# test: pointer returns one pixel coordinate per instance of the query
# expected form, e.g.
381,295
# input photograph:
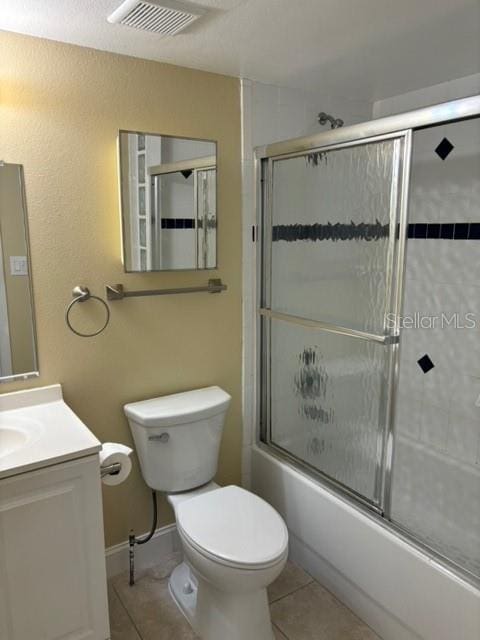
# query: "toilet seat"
233,527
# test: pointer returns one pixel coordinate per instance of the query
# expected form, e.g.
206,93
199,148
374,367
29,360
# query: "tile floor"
301,609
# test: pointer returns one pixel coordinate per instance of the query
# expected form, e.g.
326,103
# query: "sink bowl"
37,429
17,433
11,439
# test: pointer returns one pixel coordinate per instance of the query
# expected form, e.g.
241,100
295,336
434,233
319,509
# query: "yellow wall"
17,288
60,109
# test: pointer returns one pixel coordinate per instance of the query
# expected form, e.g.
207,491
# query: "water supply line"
132,540
335,123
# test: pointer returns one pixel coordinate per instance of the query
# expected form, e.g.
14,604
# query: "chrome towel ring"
82,294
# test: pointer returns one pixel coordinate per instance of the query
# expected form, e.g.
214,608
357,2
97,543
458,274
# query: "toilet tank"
177,437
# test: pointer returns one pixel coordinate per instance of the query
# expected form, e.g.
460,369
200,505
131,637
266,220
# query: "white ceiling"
366,49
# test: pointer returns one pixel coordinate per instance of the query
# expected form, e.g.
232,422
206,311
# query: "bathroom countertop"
50,432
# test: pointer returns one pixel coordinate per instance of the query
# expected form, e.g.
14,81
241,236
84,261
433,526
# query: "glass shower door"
333,241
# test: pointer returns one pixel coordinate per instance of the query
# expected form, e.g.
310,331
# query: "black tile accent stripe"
425,363
433,231
368,232
461,231
445,231
178,223
420,230
474,231
329,231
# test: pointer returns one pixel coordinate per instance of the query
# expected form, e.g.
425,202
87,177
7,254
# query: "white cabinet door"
52,560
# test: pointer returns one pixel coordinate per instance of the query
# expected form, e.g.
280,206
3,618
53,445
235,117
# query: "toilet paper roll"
115,452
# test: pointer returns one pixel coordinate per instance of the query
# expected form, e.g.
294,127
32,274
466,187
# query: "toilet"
234,543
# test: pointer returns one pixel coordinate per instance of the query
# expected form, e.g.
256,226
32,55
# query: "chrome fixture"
117,292
110,469
331,328
335,123
163,437
82,294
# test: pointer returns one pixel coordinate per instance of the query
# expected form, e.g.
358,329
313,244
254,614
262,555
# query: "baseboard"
164,542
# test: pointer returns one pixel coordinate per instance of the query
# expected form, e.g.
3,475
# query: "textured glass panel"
142,208
143,259
141,168
143,232
436,466
206,218
331,215
438,500
327,401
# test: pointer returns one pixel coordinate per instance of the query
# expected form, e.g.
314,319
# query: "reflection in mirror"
169,202
17,327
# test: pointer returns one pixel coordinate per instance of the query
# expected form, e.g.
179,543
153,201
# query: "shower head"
335,123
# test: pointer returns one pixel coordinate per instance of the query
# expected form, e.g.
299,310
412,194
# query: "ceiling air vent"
160,16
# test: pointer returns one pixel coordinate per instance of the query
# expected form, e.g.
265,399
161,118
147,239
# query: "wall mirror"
18,354
169,202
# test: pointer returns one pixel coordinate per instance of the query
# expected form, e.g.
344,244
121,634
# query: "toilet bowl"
234,543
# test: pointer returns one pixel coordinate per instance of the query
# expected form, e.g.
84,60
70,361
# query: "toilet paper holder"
110,469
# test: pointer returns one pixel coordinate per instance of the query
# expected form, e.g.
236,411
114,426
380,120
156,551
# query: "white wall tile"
459,88
463,87
463,438
434,426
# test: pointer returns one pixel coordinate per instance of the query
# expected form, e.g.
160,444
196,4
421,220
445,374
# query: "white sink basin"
16,433
11,440
38,429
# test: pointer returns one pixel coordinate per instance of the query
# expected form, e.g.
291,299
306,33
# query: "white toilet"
235,544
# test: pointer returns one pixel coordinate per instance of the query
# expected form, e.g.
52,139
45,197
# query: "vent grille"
167,18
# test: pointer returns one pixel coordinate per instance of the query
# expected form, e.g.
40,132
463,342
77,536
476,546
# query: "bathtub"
396,588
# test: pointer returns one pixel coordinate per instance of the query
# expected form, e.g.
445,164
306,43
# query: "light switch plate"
18,266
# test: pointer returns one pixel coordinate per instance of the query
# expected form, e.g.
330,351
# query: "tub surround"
387,582
396,587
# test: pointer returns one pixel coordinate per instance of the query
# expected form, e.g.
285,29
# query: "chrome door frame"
401,152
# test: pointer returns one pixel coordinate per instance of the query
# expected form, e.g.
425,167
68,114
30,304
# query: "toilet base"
216,615
183,588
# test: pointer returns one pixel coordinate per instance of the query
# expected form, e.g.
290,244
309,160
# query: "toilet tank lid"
179,408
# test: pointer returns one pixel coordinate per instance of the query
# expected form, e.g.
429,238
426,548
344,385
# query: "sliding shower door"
332,254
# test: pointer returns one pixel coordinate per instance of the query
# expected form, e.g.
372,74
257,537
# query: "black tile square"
425,364
474,231
461,230
444,148
420,230
446,231
189,223
169,223
411,231
179,223
433,231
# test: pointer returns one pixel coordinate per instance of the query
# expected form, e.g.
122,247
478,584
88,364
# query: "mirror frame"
123,208
18,377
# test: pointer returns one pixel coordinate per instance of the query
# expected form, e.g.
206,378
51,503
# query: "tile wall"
436,481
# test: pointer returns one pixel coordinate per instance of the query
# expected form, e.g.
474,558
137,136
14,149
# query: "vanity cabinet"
52,562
